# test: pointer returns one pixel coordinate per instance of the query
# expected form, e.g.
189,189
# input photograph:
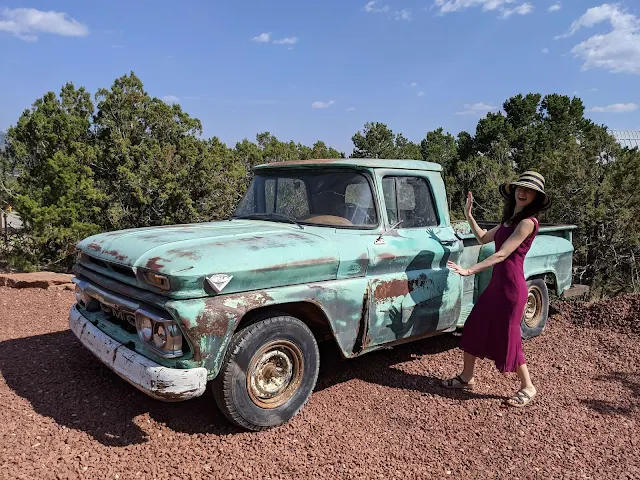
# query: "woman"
493,328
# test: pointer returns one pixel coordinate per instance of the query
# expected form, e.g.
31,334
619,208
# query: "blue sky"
320,70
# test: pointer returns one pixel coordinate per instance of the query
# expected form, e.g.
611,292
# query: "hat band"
533,180
524,183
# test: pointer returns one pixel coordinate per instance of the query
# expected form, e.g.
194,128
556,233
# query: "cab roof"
357,162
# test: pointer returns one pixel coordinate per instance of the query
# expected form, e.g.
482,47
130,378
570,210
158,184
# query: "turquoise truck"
352,251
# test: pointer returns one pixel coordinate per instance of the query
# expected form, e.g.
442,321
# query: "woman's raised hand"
468,205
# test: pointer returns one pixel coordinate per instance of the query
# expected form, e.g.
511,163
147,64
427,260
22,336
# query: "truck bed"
551,257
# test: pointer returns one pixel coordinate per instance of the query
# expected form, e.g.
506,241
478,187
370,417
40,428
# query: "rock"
35,280
64,286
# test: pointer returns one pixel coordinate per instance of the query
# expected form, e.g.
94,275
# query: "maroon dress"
492,330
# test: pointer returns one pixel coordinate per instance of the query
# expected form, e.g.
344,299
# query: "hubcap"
275,373
533,310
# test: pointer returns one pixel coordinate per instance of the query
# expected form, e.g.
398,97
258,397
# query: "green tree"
55,195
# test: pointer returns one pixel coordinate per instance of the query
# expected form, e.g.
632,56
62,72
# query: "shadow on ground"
62,380
629,381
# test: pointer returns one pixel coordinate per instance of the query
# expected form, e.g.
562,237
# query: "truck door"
412,291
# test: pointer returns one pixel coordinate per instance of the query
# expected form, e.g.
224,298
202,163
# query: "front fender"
210,322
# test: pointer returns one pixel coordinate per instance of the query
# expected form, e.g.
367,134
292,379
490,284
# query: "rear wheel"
268,373
536,310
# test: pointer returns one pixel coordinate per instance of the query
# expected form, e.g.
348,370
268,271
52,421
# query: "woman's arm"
522,231
481,235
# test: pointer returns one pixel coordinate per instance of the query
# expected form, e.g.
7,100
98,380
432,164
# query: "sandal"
458,383
520,399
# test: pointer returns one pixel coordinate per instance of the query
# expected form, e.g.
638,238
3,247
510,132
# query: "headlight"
159,334
78,294
145,329
87,302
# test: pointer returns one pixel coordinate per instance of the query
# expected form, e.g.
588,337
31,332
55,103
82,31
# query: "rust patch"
318,161
386,256
391,289
116,254
211,324
399,288
216,316
95,247
362,336
154,263
297,263
184,254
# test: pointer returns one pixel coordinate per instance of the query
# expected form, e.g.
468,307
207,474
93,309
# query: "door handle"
448,242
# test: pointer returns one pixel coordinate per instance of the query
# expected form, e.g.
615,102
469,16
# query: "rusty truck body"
348,250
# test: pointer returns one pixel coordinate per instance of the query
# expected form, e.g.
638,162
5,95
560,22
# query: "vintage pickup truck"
348,250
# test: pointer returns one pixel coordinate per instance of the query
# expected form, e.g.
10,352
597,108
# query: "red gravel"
65,415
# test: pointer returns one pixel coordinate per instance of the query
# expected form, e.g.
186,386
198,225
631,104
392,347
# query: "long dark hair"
531,210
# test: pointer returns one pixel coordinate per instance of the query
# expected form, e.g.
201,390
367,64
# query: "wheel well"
549,279
308,313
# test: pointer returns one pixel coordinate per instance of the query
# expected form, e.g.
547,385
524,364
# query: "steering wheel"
354,207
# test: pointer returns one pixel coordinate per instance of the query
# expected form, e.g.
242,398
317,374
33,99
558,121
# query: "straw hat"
529,179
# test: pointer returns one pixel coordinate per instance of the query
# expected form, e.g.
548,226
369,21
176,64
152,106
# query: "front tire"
536,310
268,373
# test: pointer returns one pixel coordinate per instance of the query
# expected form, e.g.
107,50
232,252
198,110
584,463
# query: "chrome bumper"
162,383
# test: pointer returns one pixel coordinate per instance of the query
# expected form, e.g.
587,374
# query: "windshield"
334,198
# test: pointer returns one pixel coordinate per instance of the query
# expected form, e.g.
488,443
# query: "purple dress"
492,330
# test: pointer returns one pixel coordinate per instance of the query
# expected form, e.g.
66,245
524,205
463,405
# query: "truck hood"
258,254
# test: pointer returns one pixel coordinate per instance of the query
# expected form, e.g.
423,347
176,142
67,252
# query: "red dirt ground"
65,415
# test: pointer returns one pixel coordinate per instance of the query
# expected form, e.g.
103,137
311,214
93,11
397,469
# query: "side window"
409,199
389,192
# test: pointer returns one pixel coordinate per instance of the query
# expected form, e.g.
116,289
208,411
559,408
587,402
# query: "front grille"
124,319
114,267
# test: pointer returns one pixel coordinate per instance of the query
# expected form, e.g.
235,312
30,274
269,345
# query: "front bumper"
162,383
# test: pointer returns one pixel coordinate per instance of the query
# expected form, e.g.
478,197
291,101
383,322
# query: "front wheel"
536,310
268,373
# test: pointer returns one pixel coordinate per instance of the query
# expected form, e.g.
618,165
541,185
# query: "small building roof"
627,138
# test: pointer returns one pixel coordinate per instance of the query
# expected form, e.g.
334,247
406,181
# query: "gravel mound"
66,416
620,314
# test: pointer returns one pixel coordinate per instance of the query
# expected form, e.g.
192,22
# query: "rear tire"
268,373
536,310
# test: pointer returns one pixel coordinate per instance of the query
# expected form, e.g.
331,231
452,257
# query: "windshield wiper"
267,215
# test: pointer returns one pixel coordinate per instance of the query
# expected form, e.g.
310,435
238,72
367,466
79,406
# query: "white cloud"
403,14
615,108
545,50
351,109
421,93
372,7
523,9
447,6
476,109
266,38
287,41
319,104
413,84
617,51
262,38
555,7
170,99
28,23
